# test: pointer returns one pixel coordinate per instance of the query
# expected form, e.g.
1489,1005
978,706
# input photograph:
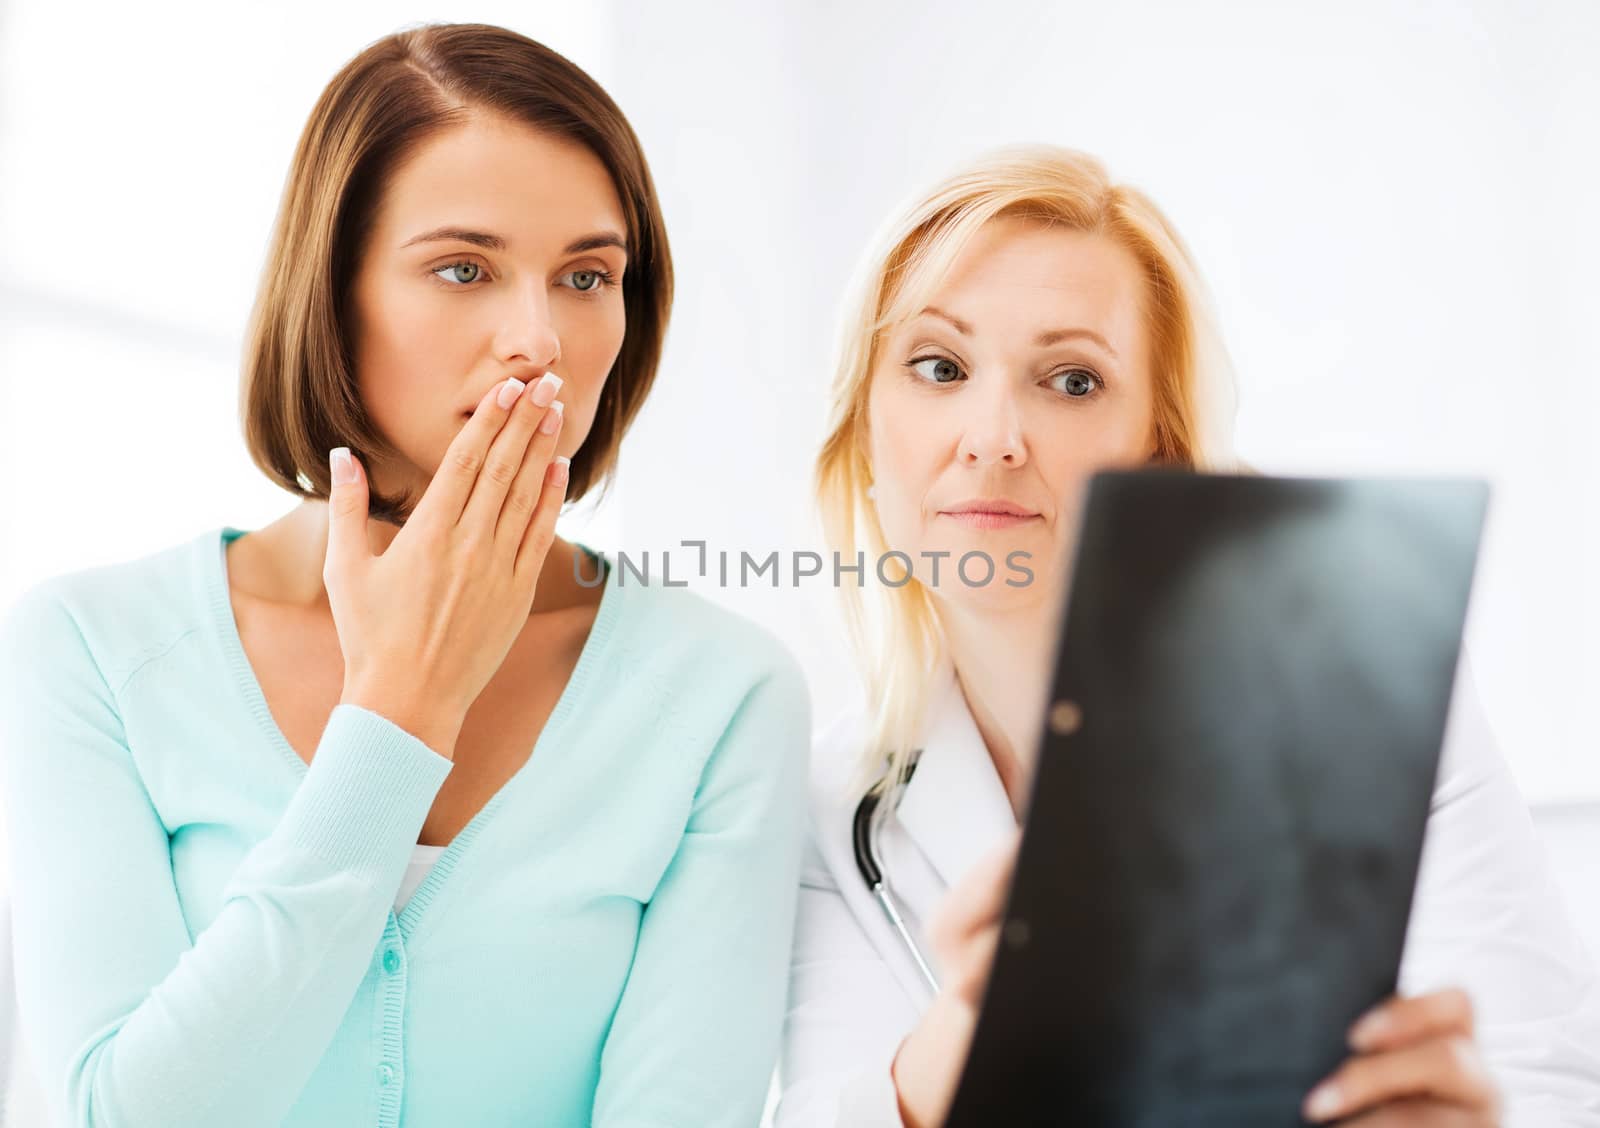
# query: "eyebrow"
1043,340
493,242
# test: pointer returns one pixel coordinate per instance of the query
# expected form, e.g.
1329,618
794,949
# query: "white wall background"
1393,203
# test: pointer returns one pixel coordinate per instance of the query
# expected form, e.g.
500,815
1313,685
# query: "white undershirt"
422,859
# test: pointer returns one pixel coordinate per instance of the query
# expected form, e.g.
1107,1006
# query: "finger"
1398,1021
528,485
968,973
1416,1113
446,496
1449,1070
504,460
541,531
978,898
347,509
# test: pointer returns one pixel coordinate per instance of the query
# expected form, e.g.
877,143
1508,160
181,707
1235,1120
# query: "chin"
996,599
999,545
1032,578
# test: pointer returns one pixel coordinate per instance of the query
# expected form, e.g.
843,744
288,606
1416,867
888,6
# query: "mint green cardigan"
204,925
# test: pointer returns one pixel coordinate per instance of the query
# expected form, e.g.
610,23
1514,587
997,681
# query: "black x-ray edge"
1249,700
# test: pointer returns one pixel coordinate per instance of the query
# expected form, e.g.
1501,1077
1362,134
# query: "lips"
989,513
990,505
983,519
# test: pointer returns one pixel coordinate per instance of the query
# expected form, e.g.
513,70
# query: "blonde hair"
894,630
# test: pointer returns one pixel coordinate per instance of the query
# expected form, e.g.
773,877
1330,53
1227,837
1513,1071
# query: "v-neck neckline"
955,807
214,551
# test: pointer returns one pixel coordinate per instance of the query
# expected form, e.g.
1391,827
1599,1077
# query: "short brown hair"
298,396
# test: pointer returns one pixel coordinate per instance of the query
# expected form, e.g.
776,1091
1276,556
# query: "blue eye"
472,266
588,281
936,369
1079,382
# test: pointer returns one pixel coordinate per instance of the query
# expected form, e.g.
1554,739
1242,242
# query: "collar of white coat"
955,807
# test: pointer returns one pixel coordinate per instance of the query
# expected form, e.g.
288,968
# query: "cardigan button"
391,961
386,1074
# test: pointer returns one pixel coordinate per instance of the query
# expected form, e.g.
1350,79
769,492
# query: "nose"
993,426
528,332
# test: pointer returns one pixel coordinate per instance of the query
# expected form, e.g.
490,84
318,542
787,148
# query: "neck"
300,547
1003,662
300,540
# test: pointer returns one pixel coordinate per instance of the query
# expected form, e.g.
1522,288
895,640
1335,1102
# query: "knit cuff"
366,794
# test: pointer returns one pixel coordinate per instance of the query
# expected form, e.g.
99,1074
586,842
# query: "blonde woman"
1026,323
402,809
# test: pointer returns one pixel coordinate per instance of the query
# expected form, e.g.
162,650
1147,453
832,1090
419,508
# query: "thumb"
347,507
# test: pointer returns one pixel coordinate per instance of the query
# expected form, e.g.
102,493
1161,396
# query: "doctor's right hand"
965,933
425,625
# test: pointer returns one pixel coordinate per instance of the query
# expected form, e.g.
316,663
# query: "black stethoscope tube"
862,827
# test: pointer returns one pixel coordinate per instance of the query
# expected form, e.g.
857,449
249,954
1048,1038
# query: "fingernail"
559,467
552,419
1323,1102
545,390
509,391
1368,1029
343,467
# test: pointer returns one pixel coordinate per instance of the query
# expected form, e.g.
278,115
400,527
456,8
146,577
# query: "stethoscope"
863,832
